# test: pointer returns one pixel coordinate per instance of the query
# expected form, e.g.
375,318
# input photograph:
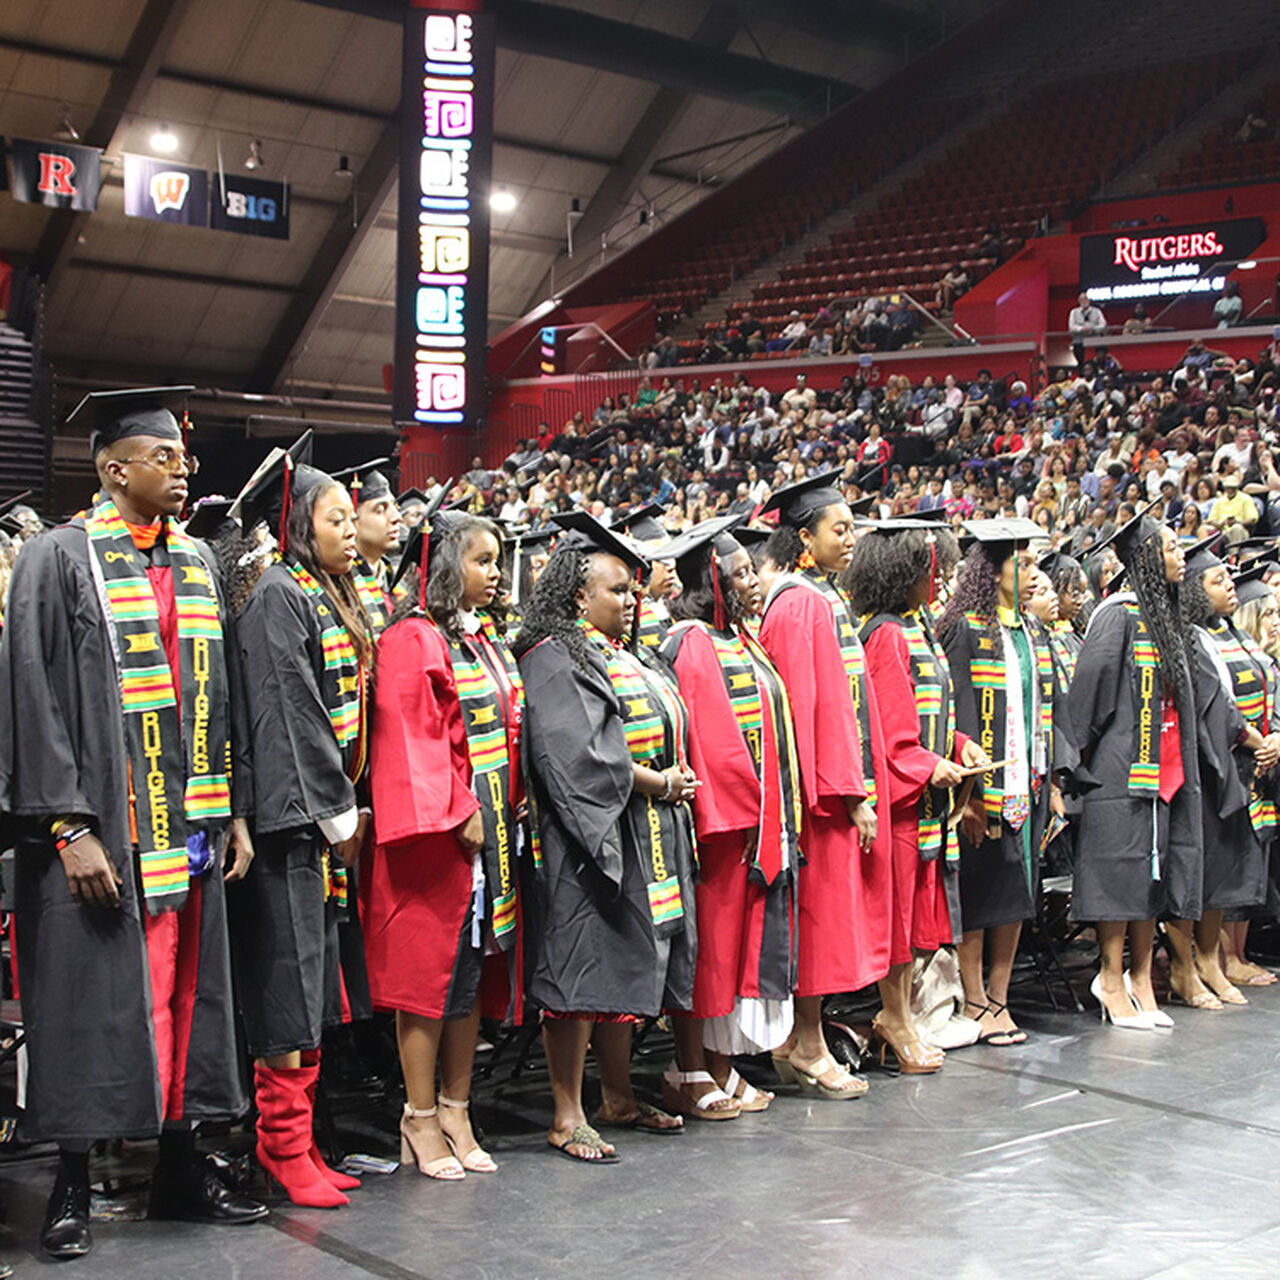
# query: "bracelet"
666,794
69,835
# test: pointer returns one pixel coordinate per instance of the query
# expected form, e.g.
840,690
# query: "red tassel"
933,568
719,616
282,539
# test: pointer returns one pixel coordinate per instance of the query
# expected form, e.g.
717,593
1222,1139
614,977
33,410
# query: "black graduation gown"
285,941
595,946
999,879
83,971
1235,869
1113,873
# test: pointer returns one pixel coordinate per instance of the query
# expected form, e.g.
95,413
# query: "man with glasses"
115,748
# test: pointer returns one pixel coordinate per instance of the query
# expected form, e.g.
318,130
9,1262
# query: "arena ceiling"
694,92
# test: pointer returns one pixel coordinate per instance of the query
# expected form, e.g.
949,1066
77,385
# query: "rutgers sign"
56,174
1170,262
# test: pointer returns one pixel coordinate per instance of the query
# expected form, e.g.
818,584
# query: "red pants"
173,958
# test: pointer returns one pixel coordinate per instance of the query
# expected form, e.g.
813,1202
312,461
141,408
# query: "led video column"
442,259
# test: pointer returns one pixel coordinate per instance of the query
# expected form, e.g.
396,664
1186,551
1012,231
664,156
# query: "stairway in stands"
22,439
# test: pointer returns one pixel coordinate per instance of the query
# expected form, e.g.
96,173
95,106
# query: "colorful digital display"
442,281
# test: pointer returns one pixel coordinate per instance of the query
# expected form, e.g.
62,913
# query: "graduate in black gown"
305,651
1235,745
606,757
1140,846
114,666
641,526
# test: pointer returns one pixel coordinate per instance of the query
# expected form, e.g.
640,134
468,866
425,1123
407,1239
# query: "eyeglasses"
170,460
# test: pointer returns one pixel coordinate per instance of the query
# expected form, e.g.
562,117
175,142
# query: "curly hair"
1195,607
241,560
785,547
977,591
697,599
552,611
1159,603
886,568
448,545
1068,574
340,588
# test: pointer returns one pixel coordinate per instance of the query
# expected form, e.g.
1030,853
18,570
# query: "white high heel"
1140,1021
1158,1016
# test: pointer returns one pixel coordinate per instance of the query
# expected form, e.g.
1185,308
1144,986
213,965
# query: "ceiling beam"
128,86
345,235
199,278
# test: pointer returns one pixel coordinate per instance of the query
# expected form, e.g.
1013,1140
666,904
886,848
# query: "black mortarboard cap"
410,496
8,521
585,533
1002,535
263,496
752,535
366,482
144,411
719,532
1129,537
937,515
1200,558
642,523
1250,585
795,503
433,523
525,539
1054,562
209,517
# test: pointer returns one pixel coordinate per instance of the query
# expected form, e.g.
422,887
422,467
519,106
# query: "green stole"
177,741
377,602
490,693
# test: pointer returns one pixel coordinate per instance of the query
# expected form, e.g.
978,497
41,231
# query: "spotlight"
343,169
254,159
66,131
164,140
503,202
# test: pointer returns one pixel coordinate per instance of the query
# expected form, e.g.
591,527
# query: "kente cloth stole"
1066,648
377,602
1249,686
343,687
178,755
855,667
490,693
1144,767
987,674
644,708
935,709
652,625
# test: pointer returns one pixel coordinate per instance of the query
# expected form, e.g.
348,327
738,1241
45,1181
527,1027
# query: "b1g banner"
57,174
250,206
165,192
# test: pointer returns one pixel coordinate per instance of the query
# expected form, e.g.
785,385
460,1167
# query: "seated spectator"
937,417
951,286
1019,401
801,395
1234,507
980,394
875,326
514,509
820,343
793,330
1254,126
1236,452
904,324
752,332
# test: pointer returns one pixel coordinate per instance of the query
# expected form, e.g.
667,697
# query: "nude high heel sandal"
445,1168
475,1160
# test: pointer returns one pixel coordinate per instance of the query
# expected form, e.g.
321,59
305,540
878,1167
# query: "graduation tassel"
634,646
718,616
422,568
282,539
186,446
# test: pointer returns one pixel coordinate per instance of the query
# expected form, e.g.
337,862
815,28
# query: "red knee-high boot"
284,1135
343,1181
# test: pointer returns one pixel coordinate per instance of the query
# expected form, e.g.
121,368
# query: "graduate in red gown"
747,816
845,887
440,902
892,580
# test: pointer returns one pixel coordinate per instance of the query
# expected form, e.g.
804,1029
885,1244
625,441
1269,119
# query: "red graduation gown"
844,895
920,916
740,951
418,893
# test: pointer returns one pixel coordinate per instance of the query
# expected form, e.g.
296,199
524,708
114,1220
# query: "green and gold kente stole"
987,674
653,625
178,744
377,602
1144,767
491,693
1249,685
344,685
1065,642
936,712
855,666
653,743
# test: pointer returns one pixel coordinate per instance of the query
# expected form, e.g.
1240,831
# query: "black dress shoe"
198,1194
65,1233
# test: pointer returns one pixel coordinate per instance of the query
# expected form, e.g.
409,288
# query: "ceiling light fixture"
254,159
66,131
502,202
343,169
164,140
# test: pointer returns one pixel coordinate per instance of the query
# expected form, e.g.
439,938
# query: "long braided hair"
552,611
1159,603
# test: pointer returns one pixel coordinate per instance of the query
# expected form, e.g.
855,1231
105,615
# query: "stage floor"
1088,1151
